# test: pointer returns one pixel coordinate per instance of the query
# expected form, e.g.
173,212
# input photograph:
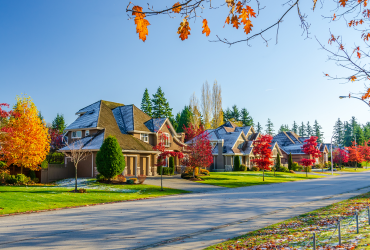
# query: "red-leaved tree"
161,146
355,155
56,139
365,151
262,152
340,156
199,150
310,148
192,131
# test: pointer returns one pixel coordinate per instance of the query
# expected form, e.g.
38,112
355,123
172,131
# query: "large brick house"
135,131
230,141
291,143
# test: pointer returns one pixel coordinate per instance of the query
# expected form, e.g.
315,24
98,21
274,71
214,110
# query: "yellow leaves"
235,21
227,20
184,30
248,27
366,95
343,2
239,7
141,22
176,8
353,78
206,29
314,4
334,17
245,15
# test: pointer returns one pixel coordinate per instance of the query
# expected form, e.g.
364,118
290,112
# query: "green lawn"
14,199
296,233
346,169
242,179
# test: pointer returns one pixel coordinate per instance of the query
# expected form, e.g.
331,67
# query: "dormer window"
144,137
87,133
76,134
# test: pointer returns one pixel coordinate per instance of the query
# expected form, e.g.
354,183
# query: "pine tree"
359,135
347,140
177,121
317,132
246,119
290,162
295,127
185,119
236,163
283,128
269,127
146,103
59,123
338,132
41,116
259,128
161,107
302,130
278,163
227,115
367,131
309,131
235,113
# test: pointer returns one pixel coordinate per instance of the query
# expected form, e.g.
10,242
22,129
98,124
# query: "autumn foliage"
262,152
26,138
141,23
310,148
355,154
161,161
340,156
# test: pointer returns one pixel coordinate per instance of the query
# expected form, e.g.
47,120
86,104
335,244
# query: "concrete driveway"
191,221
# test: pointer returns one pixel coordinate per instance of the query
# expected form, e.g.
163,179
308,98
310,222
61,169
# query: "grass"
243,179
16,199
296,233
347,169
325,172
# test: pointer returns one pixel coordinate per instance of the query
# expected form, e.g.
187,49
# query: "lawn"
15,199
296,233
346,169
243,179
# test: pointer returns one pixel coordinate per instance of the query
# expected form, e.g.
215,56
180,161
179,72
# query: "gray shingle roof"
293,149
89,118
92,142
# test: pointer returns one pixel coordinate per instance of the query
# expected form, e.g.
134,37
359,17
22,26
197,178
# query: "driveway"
191,221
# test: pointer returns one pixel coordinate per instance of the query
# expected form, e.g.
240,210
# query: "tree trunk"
21,169
306,171
263,174
75,178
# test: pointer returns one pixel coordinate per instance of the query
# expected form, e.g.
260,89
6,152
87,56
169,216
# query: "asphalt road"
190,221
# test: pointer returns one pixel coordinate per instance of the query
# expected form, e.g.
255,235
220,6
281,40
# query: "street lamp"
341,97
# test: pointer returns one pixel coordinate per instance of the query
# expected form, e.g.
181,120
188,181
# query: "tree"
310,148
227,115
355,154
290,161
56,139
309,131
59,123
302,130
199,151
77,153
269,127
278,162
347,140
359,135
192,131
263,153
283,128
217,106
196,117
246,119
146,103
110,161
340,156
259,128
160,107
338,132
365,152
235,114
237,163
26,141
171,165
185,119
295,127
206,101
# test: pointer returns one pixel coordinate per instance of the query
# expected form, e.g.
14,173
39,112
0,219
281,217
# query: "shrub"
243,167
255,168
109,159
55,158
204,171
159,170
11,179
284,169
22,179
100,177
36,180
307,169
278,163
134,180
121,178
141,178
32,175
129,181
236,163
44,164
4,177
328,164
290,162
291,171
171,164
296,167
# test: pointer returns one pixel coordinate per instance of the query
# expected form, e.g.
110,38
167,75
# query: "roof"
155,124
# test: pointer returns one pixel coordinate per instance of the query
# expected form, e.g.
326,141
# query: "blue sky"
69,54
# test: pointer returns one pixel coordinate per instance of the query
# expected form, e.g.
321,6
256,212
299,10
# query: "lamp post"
331,154
341,97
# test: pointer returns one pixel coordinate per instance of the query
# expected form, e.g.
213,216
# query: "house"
231,141
135,131
291,143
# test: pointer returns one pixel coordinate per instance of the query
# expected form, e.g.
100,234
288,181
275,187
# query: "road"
191,221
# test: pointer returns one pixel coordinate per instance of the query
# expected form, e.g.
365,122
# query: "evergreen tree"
171,165
302,130
146,103
283,128
235,113
367,131
347,140
236,163
309,131
290,162
269,127
359,135
59,123
110,161
41,116
185,119
177,121
278,163
338,132
227,115
259,128
317,132
246,119
161,107
295,128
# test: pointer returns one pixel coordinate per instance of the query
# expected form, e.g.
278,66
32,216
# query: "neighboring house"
135,131
231,141
291,143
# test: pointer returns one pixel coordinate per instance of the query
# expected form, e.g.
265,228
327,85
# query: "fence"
56,172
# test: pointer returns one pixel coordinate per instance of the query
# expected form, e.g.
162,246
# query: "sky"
68,54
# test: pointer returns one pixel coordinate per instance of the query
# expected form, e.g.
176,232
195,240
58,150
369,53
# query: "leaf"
244,16
343,2
314,4
227,20
251,11
235,21
239,7
353,78
326,74
248,27
359,55
141,23
206,28
184,30
341,47
176,8
334,17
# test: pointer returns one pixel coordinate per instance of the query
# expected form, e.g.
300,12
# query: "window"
167,139
76,134
144,137
87,132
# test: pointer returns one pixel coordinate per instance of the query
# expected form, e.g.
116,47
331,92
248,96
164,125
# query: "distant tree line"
350,131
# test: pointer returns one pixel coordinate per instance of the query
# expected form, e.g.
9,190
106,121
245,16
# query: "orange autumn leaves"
239,15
